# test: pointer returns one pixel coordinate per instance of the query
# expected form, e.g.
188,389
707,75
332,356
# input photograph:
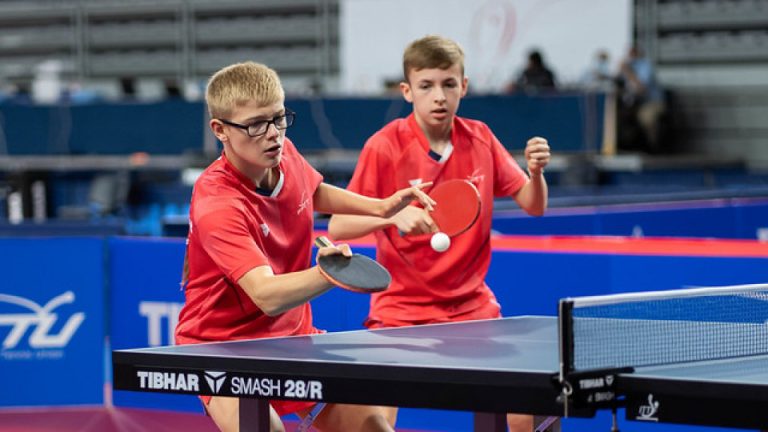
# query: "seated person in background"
642,97
536,75
598,76
248,271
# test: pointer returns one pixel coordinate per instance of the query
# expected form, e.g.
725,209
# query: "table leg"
490,422
254,415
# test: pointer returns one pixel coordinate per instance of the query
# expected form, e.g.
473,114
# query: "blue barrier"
171,127
573,120
52,322
144,277
144,299
726,219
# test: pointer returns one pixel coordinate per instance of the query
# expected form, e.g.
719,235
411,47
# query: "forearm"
533,196
275,294
334,200
345,227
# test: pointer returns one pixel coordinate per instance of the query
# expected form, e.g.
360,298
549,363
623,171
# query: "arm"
532,197
335,200
275,294
345,227
356,215
410,220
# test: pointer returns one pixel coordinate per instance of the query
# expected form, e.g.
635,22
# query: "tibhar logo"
168,381
648,412
43,318
215,380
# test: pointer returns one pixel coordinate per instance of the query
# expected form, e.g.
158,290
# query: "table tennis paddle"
357,273
458,206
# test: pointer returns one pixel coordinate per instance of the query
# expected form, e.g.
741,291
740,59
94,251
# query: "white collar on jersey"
446,153
279,185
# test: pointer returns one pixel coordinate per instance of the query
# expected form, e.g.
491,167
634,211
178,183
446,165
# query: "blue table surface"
515,344
527,344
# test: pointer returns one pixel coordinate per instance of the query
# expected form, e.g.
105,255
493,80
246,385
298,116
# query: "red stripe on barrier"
633,246
616,245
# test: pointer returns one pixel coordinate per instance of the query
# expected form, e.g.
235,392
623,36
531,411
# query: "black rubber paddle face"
358,273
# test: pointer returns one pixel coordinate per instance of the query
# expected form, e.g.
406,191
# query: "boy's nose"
439,95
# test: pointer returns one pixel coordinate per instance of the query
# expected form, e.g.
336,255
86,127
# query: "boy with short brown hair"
434,145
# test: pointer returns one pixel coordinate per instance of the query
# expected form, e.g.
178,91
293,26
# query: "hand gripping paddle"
357,273
458,206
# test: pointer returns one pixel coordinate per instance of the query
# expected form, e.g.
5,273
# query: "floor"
100,419
108,419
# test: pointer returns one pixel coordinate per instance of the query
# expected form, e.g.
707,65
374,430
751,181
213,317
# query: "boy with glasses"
435,145
248,270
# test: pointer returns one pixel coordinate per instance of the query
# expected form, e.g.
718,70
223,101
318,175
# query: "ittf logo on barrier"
649,411
42,319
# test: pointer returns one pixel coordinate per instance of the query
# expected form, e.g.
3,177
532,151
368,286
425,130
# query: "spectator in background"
536,75
172,89
128,87
642,98
598,75
20,93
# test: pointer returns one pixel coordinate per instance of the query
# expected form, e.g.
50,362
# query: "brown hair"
432,52
240,83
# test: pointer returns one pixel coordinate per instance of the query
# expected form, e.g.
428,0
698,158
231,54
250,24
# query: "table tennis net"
664,327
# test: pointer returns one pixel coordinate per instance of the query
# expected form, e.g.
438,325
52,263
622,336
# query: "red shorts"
283,407
489,310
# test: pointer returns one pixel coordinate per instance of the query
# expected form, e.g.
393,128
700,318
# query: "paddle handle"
323,241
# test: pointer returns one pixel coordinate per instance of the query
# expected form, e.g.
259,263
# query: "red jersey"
234,229
429,286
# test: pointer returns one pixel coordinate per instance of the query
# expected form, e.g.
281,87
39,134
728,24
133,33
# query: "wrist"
381,209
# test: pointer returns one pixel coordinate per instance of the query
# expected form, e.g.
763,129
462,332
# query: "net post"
565,348
565,337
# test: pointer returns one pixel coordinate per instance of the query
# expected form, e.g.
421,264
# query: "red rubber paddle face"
458,206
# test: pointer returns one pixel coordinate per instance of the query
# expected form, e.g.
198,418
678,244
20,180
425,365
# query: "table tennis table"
490,367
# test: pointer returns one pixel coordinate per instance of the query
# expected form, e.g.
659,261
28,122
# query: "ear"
405,89
218,130
464,86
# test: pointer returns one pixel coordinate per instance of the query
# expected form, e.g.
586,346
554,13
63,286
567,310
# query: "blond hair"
240,83
432,52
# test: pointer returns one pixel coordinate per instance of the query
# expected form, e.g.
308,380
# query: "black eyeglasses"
260,127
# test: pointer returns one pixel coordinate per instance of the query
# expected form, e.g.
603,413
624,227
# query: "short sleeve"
225,237
373,167
508,176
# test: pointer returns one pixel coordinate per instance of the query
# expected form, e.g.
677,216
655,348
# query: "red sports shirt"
429,286
233,229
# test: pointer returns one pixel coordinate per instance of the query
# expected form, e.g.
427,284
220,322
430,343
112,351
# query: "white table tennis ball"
440,242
